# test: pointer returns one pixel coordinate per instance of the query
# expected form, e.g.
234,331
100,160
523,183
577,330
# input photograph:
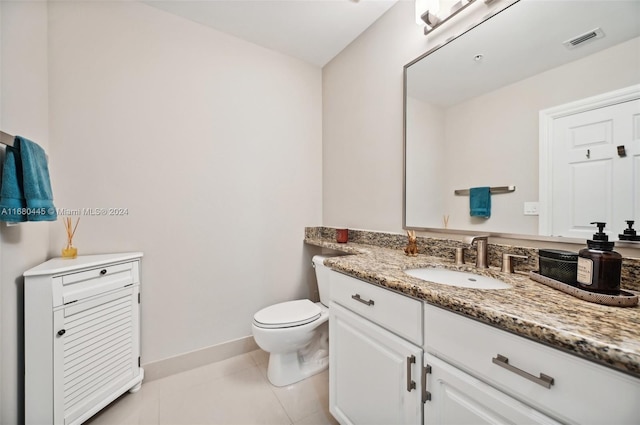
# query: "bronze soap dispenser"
599,266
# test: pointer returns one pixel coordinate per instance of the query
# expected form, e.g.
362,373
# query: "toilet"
296,333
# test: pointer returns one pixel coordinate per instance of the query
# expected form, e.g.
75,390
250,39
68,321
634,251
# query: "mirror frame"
516,236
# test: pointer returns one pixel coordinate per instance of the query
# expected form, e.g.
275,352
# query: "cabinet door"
459,398
95,351
368,369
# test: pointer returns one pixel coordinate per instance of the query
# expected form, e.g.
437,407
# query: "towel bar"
496,189
6,139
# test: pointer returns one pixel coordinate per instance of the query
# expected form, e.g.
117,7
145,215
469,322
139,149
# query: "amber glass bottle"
599,266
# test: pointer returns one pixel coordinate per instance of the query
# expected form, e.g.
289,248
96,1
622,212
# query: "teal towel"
480,202
26,184
12,202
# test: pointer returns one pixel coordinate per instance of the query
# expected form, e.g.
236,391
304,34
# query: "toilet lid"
287,314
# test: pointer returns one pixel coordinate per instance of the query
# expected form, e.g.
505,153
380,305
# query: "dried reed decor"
70,251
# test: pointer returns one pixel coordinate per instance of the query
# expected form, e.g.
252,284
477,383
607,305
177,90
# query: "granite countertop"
606,335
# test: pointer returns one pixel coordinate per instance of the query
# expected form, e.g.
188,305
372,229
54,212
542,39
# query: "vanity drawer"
107,272
398,313
475,347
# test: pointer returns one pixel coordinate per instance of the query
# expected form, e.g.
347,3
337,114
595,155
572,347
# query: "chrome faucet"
481,249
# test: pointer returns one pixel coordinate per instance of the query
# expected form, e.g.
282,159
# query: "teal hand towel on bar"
480,202
27,183
12,202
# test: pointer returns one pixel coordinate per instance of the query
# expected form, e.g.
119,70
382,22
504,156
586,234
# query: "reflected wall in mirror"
472,109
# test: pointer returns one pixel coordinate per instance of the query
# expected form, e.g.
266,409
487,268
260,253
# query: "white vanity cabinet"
82,336
375,339
397,360
481,374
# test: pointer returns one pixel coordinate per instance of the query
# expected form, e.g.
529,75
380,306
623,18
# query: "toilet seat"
287,314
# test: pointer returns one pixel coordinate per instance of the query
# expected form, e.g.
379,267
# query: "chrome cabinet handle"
544,380
357,298
411,385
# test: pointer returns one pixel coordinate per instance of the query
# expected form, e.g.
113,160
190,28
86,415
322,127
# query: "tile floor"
232,391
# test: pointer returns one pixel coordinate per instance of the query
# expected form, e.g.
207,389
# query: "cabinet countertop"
69,265
603,334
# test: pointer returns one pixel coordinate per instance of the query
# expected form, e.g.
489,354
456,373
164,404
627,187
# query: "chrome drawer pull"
544,380
411,385
357,298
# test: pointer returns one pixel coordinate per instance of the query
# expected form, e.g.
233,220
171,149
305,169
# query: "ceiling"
312,30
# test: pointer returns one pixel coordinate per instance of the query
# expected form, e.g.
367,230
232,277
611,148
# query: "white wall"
424,164
362,117
213,145
23,111
362,124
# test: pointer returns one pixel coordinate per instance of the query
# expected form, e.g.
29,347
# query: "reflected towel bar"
496,189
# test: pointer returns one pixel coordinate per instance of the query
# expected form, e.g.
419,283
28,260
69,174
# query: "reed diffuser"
70,251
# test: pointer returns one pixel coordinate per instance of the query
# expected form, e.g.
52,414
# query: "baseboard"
194,359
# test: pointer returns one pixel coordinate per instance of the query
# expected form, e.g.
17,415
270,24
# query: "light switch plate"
530,208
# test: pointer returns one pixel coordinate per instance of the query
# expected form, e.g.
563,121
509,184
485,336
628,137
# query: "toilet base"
288,368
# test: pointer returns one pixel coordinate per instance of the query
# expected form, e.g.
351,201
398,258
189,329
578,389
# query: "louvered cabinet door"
95,351
81,336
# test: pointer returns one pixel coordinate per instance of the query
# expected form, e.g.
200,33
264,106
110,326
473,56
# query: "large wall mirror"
473,109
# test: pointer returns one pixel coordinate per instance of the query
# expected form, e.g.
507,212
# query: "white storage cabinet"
82,336
375,339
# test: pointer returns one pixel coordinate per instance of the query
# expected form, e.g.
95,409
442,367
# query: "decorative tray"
623,299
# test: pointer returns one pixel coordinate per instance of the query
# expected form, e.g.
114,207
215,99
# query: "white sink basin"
457,278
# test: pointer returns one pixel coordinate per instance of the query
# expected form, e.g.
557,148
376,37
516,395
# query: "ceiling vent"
583,38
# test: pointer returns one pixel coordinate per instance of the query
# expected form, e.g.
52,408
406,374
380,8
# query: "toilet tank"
322,276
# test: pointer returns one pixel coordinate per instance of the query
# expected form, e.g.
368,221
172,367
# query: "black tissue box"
559,265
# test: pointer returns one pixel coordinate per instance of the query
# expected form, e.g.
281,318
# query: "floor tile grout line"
273,391
275,394
154,412
245,370
299,383
168,392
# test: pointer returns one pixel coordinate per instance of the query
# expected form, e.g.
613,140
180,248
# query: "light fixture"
431,8
421,7
434,13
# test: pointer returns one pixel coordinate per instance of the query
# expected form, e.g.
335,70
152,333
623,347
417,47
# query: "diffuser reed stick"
70,251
